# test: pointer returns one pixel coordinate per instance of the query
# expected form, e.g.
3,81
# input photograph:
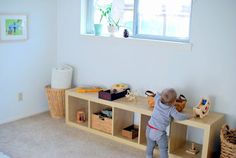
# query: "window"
149,19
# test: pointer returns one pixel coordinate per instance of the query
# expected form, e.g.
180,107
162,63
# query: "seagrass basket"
180,103
228,142
56,101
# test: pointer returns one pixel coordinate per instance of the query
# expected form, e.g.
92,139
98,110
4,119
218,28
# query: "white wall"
25,66
208,70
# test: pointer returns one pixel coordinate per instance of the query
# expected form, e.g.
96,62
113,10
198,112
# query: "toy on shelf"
88,89
202,109
193,150
120,87
130,95
111,95
150,93
151,100
81,116
180,103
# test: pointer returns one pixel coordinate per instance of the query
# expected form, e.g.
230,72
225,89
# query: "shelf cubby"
123,119
104,122
75,105
179,144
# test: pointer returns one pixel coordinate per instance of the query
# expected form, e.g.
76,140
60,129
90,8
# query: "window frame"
135,34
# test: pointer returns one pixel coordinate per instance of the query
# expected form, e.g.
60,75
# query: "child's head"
168,96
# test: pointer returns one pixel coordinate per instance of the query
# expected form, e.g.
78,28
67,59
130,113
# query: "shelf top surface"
140,105
208,120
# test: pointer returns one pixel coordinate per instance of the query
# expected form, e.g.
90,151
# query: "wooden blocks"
81,116
193,150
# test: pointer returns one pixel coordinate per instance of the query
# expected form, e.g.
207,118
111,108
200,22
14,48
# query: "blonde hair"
168,96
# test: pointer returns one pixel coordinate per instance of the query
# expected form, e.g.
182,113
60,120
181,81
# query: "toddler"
163,111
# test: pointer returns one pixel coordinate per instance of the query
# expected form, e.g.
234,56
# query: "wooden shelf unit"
123,115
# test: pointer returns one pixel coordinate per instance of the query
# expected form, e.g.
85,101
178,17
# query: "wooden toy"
193,150
88,89
202,109
116,88
81,116
130,95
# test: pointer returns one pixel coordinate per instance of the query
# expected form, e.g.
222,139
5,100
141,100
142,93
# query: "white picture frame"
13,27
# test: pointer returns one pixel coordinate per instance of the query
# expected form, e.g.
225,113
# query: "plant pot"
98,29
112,29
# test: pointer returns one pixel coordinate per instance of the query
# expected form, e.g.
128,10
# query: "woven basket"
56,101
180,103
228,142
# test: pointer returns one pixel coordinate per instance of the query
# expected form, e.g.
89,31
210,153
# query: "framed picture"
13,27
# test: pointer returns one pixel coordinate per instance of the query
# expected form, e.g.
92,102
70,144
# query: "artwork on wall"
13,27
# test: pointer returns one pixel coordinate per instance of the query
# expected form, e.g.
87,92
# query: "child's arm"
178,115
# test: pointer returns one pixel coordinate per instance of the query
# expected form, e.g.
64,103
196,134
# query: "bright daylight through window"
147,19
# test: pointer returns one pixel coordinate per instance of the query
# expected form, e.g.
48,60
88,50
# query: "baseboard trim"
22,117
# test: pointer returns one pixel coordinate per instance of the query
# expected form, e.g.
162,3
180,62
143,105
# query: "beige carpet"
42,137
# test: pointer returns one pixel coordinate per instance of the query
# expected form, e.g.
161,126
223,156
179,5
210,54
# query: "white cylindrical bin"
61,77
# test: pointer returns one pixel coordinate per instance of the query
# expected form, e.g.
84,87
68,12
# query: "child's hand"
190,116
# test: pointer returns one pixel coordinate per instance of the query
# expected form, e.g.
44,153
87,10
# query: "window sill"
187,46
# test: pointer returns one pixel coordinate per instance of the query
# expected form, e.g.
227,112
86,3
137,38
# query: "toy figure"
130,95
126,33
202,109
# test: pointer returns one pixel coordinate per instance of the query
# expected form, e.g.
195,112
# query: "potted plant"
113,26
104,12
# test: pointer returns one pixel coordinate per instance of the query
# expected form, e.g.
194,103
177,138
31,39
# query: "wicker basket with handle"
56,101
228,142
180,103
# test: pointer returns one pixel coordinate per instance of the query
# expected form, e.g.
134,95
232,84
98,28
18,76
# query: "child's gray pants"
153,138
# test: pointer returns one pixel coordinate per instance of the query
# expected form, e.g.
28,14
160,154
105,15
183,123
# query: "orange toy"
88,89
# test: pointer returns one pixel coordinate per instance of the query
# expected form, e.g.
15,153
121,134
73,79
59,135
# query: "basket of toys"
56,101
228,142
180,102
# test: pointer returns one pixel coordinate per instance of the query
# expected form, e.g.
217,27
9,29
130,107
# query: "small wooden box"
101,123
130,132
108,95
